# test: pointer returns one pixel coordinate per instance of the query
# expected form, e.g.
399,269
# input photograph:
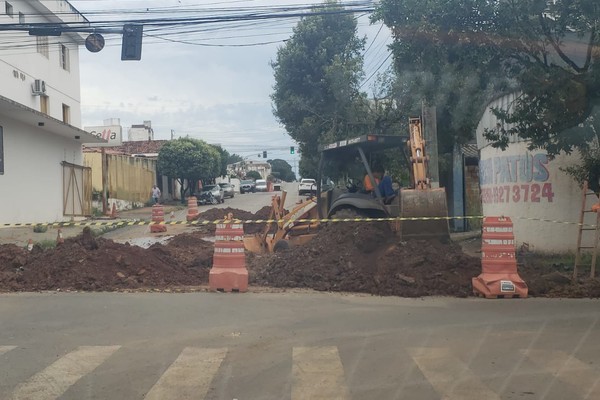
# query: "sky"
217,94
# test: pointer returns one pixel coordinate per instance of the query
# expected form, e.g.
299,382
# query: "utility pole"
172,134
431,145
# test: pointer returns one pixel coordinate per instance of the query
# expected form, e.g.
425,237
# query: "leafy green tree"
233,158
317,73
224,157
189,160
466,51
253,175
282,169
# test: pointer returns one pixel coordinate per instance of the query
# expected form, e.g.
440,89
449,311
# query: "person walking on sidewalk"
155,194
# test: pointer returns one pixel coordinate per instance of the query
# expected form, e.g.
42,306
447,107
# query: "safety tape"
123,223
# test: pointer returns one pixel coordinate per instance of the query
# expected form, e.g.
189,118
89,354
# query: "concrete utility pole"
431,145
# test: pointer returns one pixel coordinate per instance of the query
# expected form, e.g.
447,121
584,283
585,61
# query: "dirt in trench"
214,214
369,258
353,257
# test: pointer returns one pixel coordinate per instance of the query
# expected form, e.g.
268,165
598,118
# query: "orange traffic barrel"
192,212
228,272
499,277
158,218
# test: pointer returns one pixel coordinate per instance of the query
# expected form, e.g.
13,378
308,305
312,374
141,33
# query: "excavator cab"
420,201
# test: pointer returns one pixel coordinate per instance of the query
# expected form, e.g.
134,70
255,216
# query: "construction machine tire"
280,246
428,203
347,213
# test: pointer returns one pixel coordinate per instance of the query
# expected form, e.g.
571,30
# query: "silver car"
228,191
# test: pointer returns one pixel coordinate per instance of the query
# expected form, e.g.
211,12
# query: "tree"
233,158
189,160
470,50
253,175
224,157
317,73
282,169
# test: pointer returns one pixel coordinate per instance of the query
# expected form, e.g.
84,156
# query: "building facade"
41,159
529,187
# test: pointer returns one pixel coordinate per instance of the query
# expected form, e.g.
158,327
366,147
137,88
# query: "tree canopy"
282,169
317,73
189,160
461,53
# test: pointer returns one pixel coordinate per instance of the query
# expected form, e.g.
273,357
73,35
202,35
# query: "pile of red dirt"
214,214
369,258
87,263
546,279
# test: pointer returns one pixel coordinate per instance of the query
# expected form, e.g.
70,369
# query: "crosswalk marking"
190,375
317,373
53,381
568,369
449,376
6,349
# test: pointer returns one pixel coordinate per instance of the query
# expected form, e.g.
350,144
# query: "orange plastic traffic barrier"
228,272
192,212
499,277
158,216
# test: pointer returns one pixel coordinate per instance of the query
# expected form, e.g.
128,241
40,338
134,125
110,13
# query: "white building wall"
526,185
33,174
21,64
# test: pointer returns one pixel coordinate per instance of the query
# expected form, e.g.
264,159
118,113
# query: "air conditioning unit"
38,87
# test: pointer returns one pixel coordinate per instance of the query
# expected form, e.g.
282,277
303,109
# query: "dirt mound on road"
214,214
86,263
359,257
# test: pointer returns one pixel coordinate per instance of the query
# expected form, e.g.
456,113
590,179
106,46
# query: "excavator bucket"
415,203
255,244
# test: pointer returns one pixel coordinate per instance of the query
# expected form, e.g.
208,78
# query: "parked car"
261,185
209,191
307,186
228,191
247,186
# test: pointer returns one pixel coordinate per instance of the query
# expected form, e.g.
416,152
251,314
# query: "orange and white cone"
113,212
59,237
172,216
30,245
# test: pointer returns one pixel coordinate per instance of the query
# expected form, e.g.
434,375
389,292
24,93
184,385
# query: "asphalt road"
295,346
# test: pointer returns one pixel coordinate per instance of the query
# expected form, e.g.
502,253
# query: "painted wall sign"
516,179
112,133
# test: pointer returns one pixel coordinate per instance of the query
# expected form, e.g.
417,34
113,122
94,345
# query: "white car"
307,186
261,185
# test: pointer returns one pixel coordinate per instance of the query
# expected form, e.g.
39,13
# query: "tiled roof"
136,147
470,150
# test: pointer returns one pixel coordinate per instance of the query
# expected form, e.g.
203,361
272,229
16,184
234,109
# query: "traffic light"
264,154
291,149
131,48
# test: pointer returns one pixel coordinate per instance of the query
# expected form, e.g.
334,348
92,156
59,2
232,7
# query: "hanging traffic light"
264,154
131,48
291,149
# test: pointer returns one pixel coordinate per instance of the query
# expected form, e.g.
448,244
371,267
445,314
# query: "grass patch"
47,244
40,228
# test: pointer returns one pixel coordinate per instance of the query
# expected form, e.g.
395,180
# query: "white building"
140,132
41,141
241,168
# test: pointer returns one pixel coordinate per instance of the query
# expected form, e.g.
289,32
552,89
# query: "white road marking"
53,381
190,375
317,373
568,369
449,376
6,349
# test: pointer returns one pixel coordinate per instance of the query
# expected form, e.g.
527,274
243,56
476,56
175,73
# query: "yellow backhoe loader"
350,200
